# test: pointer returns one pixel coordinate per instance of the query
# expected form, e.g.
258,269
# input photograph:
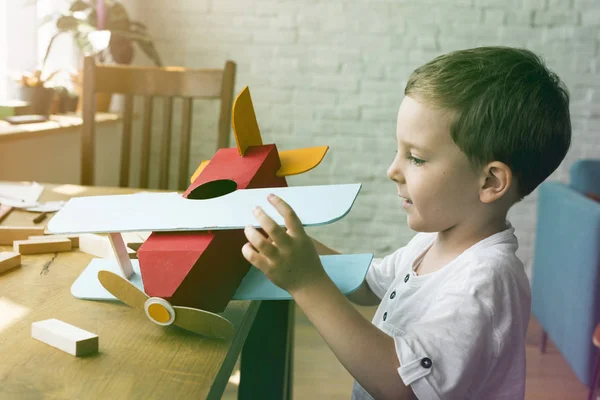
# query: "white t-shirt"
459,331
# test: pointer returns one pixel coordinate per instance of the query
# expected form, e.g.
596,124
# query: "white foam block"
314,205
66,337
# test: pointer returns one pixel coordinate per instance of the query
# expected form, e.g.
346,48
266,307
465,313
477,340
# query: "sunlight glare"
10,313
234,379
70,190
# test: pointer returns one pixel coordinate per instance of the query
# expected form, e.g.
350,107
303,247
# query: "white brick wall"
334,72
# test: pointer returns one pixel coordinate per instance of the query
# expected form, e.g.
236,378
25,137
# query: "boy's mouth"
405,199
406,202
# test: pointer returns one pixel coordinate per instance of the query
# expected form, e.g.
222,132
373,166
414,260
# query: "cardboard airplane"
191,266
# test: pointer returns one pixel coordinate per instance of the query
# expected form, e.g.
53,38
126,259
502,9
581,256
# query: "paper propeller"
161,312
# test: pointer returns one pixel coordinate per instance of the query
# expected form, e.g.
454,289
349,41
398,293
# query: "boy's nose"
395,174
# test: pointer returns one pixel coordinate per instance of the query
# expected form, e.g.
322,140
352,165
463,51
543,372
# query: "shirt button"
385,315
406,278
393,294
426,362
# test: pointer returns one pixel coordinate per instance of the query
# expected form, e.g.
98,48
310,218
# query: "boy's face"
431,171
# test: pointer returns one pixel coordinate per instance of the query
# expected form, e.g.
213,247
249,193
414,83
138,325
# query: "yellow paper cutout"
199,170
122,289
245,127
159,312
192,319
293,162
298,161
203,322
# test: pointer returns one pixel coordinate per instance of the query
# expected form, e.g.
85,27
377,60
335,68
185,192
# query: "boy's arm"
365,351
288,258
323,250
363,296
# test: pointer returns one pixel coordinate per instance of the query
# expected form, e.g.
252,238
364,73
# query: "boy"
477,131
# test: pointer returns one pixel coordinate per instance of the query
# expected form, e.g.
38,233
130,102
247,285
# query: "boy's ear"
497,179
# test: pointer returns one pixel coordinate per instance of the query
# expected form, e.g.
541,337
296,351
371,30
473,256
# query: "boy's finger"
260,243
254,257
292,222
271,228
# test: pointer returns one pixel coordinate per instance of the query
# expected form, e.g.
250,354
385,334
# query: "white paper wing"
314,205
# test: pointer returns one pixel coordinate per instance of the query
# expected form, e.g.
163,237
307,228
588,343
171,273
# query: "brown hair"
506,106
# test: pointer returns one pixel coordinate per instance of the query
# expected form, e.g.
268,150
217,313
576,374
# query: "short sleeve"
451,347
382,272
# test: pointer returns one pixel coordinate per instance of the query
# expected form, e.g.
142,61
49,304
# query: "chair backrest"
152,82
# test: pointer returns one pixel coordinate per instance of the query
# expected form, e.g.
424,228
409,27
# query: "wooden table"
137,359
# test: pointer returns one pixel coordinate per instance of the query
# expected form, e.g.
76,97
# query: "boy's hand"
287,257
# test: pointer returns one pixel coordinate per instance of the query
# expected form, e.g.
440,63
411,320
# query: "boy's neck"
454,241
451,243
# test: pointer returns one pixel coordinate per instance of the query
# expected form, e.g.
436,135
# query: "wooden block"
9,260
66,337
8,234
135,240
42,246
135,236
135,246
74,239
95,245
132,254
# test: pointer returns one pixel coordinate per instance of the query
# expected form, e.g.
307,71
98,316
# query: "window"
18,42
62,54
23,42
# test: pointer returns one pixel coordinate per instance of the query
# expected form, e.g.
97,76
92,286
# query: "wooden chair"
151,82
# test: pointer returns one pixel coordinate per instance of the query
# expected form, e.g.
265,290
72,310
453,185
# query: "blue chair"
566,266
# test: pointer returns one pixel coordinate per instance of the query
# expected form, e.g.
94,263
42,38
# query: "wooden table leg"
267,357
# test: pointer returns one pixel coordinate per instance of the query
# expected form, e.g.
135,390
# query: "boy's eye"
416,161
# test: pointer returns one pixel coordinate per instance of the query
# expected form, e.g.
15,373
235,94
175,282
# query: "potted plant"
102,28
